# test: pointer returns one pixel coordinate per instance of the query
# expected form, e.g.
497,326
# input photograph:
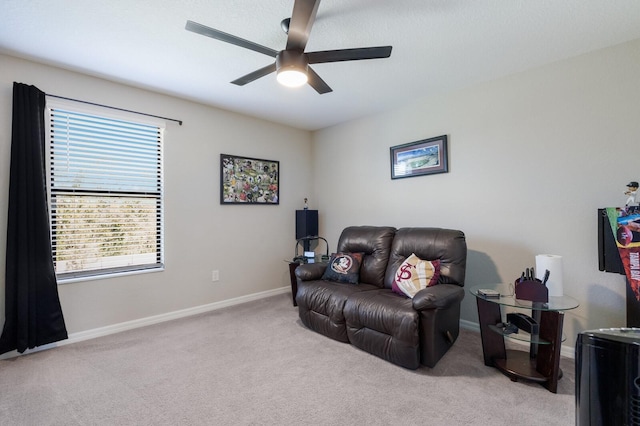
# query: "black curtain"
33,315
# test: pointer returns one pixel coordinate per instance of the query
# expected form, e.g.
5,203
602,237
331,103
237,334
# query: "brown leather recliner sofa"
369,315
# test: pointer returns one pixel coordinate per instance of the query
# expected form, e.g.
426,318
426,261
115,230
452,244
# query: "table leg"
294,280
533,350
492,342
548,358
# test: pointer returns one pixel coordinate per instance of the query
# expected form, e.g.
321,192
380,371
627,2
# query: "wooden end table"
542,363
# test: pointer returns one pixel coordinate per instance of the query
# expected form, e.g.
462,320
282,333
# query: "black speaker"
306,223
607,381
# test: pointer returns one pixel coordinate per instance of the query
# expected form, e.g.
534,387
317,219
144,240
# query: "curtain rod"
116,108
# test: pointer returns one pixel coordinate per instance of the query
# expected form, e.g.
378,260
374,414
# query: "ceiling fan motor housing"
291,60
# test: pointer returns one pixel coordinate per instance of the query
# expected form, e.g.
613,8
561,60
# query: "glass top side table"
542,362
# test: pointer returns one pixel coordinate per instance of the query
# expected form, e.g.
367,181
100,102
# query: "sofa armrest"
310,271
438,297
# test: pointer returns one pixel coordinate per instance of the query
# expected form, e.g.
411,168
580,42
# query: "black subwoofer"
608,377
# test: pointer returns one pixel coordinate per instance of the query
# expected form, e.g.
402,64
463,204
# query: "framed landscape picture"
424,157
246,180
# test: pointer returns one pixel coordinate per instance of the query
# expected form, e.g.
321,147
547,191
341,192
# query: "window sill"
62,281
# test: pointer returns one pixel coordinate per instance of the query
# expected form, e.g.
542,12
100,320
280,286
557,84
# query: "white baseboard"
142,322
566,351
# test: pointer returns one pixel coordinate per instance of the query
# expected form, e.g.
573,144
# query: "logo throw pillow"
414,274
344,268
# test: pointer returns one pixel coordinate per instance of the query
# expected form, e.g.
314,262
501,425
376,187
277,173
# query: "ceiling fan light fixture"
292,77
291,68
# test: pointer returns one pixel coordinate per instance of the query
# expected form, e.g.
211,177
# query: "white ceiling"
438,46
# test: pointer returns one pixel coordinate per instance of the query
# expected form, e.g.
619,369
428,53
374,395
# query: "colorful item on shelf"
625,225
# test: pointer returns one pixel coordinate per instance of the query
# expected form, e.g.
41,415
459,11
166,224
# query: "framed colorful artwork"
246,180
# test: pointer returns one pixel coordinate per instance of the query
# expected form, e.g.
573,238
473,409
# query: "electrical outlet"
215,276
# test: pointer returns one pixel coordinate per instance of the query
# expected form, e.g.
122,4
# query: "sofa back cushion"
446,245
375,244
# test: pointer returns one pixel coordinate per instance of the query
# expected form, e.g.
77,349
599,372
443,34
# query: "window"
106,193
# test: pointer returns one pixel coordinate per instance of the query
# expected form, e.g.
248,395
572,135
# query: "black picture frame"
419,158
248,180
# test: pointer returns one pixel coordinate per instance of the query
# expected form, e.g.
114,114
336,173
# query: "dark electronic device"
306,226
507,328
523,322
608,377
306,223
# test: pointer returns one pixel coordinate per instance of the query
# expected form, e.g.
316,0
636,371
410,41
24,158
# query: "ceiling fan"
292,63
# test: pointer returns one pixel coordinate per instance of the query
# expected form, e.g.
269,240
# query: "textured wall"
532,156
247,244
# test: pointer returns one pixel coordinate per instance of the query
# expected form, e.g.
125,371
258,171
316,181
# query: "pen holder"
532,290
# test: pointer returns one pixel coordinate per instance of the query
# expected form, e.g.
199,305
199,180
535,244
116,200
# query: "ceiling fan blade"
302,19
317,83
349,54
255,75
228,38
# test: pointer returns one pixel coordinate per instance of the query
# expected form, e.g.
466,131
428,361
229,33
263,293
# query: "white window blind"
106,194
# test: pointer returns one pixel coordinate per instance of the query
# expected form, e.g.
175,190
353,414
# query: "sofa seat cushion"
321,305
384,324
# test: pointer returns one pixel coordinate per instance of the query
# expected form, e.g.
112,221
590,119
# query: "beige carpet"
256,364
